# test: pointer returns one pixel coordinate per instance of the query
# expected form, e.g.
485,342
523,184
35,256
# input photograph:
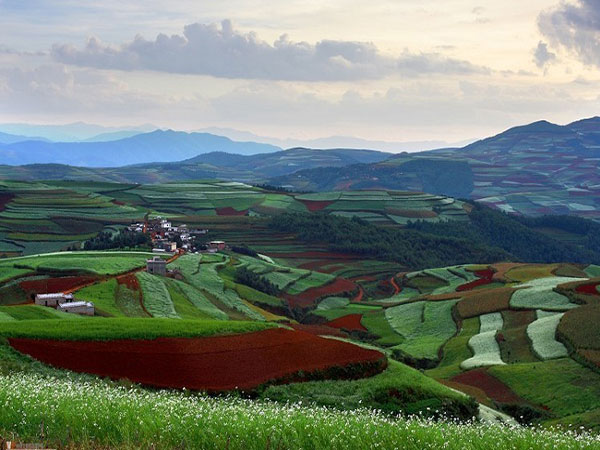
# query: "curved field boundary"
310,296
351,322
492,386
484,277
242,361
540,294
486,351
542,334
588,289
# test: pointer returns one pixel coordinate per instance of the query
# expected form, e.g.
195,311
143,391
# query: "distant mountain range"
540,168
156,146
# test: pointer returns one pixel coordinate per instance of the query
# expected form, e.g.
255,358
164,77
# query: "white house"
82,308
53,300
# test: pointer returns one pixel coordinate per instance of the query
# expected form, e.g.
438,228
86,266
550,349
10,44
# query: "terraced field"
51,216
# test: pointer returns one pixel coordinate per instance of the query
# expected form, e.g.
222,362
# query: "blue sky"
383,70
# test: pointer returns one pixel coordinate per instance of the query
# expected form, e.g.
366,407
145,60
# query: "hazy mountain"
73,132
6,138
113,136
157,146
348,142
252,169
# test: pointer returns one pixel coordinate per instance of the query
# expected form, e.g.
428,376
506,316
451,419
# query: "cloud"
575,27
225,52
542,56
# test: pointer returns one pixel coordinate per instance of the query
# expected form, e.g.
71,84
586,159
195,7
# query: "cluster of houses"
65,303
167,238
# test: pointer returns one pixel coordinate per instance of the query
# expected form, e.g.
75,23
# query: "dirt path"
397,288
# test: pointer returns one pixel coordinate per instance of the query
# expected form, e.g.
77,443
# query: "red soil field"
493,387
129,280
351,322
4,200
397,288
589,289
242,361
118,202
229,211
49,285
316,205
319,330
310,296
360,295
485,277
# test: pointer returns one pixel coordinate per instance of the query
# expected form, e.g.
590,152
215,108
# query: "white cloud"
227,53
575,27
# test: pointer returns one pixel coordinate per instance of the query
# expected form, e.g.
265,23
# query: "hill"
155,146
215,164
535,169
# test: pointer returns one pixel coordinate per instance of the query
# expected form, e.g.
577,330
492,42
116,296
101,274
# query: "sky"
386,70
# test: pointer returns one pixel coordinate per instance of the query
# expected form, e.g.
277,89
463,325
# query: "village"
167,241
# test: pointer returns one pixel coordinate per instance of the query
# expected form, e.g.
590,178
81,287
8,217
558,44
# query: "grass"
197,299
353,308
118,417
34,312
540,294
426,326
530,272
332,303
103,329
562,385
156,296
376,323
456,351
103,296
399,389
315,279
542,333
101,263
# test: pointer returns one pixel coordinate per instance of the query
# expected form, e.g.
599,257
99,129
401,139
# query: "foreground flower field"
95,414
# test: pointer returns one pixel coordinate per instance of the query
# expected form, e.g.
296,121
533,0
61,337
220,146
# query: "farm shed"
216,245
82,308
53,300
156,266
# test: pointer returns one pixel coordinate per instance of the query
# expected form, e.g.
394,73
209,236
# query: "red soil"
319,330
589,289
316,205
129,280
485,277
242,361
492,386
118,202
310,296
397,288
4,200
351,322
49,285
319,265
229,211
364,278
360,295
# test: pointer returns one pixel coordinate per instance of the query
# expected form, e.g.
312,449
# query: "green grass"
426,326
35,312
456,351
561,384
399,389
7,272
354,308
377,324
156,296
333,303
103,297
197,299
103,329
102,263
121,418
315,279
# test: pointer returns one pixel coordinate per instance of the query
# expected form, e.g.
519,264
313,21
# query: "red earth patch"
485,277
4,200
130,281
492,386
243,361
310,296
589,289
319,330
316,205
351,322
50,285
229,211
